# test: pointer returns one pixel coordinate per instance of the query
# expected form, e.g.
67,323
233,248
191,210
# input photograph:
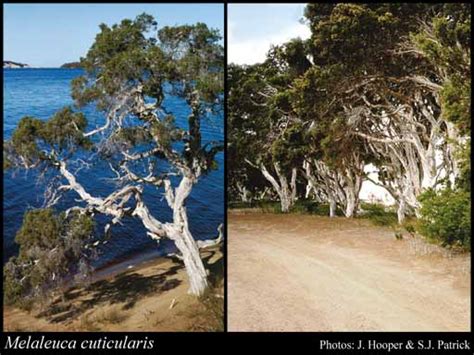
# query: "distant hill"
10,64
72,65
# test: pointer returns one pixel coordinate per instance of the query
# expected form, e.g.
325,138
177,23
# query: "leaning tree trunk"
178,231
185,242
286,192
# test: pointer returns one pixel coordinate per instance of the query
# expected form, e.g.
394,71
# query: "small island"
71,65
10,64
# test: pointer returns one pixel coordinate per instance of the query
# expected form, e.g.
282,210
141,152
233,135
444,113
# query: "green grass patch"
300,207
378,214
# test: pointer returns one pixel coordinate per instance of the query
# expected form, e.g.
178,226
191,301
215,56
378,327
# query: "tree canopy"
128,73
385,86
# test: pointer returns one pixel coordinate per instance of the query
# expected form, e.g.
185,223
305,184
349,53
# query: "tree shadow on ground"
215,267
125,288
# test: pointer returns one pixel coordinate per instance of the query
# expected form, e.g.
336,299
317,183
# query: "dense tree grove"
128,72
380,84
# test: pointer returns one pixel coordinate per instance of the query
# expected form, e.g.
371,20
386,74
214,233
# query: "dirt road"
309,273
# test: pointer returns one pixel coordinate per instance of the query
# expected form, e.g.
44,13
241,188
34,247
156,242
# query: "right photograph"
348,167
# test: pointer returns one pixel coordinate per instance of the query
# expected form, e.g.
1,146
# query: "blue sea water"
40,93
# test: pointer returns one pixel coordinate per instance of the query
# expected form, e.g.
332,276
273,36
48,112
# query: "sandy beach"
148,296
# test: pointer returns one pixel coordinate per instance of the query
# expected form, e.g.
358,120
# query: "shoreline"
146,292
133,261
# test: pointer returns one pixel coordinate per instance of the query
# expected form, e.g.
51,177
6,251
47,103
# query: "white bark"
401,211
178,231
185,242
338,187
408,138
350,204
244,193
332,207
286,192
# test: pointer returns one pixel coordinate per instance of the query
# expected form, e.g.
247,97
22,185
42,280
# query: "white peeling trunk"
185,242
285,203
178,231
352,189
350,204
401,211
309,188
332,207
428,165
244,193
192,261
293,185
286,193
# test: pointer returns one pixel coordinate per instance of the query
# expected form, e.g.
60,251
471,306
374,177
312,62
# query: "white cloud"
254,50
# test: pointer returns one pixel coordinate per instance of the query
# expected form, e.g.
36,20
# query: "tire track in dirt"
306,273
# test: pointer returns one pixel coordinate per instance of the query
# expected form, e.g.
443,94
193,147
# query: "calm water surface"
40,93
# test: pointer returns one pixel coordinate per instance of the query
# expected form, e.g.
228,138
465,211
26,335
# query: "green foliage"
133,136
51,247
313,207
63,132
124,55
378,214
289,149
121,54
300,207
134,58
351,33
463,181
246,126
64,129
40,229
446,42
24,139
456,102
166,131
446,217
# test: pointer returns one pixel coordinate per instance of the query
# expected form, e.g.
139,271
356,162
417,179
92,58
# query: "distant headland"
10,64
71,65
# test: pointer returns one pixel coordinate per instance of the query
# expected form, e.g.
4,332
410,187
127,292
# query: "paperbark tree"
128,75
388,91
245,183
262,120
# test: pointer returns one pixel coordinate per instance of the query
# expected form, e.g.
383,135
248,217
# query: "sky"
253,28
49,35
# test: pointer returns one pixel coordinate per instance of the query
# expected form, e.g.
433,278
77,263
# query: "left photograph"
113,139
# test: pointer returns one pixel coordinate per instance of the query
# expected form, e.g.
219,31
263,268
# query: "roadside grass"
378,214
300,207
